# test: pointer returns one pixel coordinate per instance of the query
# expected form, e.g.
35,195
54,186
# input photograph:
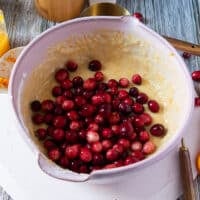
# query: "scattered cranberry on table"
196,75
91,124
139,16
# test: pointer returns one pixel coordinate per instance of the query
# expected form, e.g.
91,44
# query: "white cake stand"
23,180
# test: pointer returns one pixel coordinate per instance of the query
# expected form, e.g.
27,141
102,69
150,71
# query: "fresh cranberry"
113,91
132,136
47,105
139,16
61,75
94,65
122,94
78,91
54,154
59,121
186,55
105,110
73,115
157,130
75,125
71,66
142,98
38,118
109,166
75,165
97,147
124,142
114,118
84,169
106,144
41,133
144,136
107,98
137,79
50,130
197,101
107,133
48,118
68,94
87,110
99,119
88,94
115,103
92,136
138,122
146,118
126,128
133,91
66,84
58,110
128,101
85,155
115,129
49,145
97,159
125,108
71,137
149,147
130,160
102,86
58,134
153,106
196,75
77,81
68,105
99,76
80,101
138,108
82,135
97,99
119,163
72,152
57,91
90,84
35,106
112,155
64,162
138,154
60,99
123,82
136,146
112,83
93,126
119,148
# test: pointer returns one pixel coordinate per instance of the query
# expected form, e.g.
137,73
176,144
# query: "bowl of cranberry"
99,98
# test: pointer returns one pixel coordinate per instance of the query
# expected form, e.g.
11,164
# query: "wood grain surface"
174,18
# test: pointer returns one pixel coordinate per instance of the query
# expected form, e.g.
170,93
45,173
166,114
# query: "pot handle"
55,171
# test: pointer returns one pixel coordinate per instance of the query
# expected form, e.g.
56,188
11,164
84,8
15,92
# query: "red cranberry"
88,120
72,152
122,94
142,98
138,108
119,148
105,110
146,118
97,99
196,75
78,91
84,169
99,119
60,99
113,91
87,110
107,97
57,91
75,165
102,86
144,136
74,125
38,118
112,155
107,133
58,134
157,130
50,130
129,101
109,166
186,55
124,142
63,146
80,101
93,127
73,115
88,94
59,121
41,133
68,105
115,129
64,162
106,144
136,146
89,84
35,106
99,76
115,103
149,147
82,135
71,66
130,160
123,82
48,118
97,159
61,75
126,127
47,105
49,145
197,101
97,147
85,155
138,154
94,65
92,136
68,94
138,122
54,154
139,16
112,83
77,81
125,108
137,79
58,110
114,118
71,137
133,91
132,136
153,106
119,163
66,84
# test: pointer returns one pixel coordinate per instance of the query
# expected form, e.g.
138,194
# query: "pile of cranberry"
93,124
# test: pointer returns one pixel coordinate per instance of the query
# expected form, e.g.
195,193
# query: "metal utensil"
110,9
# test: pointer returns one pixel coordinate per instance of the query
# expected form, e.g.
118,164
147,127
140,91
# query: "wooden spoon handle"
184,46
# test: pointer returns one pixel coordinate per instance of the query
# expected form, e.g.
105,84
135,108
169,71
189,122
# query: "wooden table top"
174,18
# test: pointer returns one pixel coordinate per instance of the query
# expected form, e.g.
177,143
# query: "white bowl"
158,52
